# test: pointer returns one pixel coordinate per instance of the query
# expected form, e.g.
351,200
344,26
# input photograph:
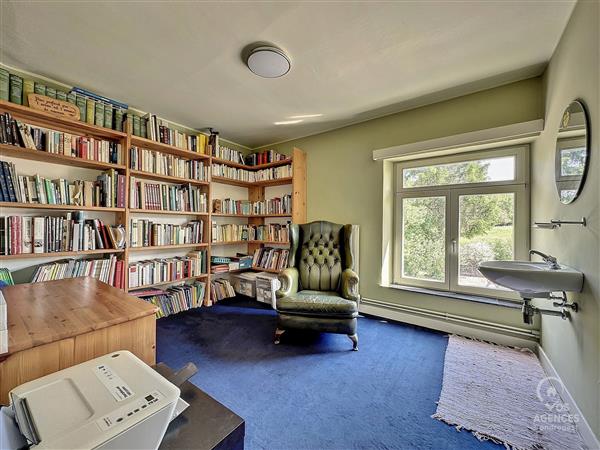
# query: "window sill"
505,303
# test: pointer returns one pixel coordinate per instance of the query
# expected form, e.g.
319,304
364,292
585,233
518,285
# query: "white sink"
532,279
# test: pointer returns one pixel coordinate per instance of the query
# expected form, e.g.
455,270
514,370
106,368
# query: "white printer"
115,401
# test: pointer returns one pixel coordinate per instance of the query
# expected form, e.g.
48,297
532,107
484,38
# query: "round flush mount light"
268,62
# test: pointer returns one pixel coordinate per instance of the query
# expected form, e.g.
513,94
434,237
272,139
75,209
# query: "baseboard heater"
482,329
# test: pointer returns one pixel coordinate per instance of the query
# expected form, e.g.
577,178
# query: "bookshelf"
255,191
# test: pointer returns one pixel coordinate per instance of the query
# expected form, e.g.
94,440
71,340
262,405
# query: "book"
81,103
28,88
4,84
50,92
16,89
72,98
38,235
136,130
108,115
118,119
61,95
90,112
99,114
39,88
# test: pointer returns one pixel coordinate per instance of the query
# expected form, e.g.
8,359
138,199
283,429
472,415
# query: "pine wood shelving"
53,158
256,190
166,178
167,247
149,144
63,254
172,213
59,207
250,216
166,283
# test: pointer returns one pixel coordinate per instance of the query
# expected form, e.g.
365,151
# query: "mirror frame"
588,142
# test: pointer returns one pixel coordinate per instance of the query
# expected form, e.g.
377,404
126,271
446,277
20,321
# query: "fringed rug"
502,394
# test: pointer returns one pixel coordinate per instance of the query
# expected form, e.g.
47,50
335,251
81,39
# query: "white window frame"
519,186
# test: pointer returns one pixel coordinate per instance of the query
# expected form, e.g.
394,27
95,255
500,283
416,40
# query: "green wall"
345,184
573,346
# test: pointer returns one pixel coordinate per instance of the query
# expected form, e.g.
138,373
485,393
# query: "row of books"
144,233
21,134
108,270
271,258
93,108
251,176
154,128
107,191
148,272
220,289
166,197
223,264
276,205
265,157
223,152
51,234
175,299
164,164
243,232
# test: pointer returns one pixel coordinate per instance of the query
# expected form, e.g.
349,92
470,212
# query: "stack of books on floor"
109,270
107,191
174,299
49,234
150,272
144,233
221,289
270,258
165,164
166,197
15,132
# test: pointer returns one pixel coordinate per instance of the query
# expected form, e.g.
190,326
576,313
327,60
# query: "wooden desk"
57,324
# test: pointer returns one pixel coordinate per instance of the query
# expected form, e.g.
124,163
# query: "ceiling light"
268,62
306,116
288,122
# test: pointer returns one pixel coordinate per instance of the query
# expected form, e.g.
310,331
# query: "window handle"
453,242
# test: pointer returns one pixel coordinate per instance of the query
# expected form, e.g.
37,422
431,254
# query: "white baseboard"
451,323
587,434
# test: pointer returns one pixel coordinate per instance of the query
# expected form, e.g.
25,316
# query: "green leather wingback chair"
319,289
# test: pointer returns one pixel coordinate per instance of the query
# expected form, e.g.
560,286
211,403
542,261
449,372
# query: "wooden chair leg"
278,333
354,339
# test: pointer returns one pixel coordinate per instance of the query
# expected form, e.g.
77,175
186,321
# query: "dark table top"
205,424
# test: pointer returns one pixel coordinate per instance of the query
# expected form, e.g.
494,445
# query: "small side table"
205,425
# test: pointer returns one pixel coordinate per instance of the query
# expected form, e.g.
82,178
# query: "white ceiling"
350,61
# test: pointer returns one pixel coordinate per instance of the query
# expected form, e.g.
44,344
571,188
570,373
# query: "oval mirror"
572,152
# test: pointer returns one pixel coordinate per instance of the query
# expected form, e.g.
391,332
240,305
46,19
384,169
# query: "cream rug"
502,394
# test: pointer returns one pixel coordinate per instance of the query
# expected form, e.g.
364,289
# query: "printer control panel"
129,411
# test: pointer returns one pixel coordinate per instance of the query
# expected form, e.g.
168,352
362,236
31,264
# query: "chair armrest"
350,285
289,282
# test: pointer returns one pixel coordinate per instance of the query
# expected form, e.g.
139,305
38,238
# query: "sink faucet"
550,260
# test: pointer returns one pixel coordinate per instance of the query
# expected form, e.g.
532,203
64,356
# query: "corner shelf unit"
256,191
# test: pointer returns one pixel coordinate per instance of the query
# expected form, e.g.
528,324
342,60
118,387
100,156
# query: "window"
453,212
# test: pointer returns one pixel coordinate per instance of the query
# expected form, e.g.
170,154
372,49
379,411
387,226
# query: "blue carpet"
312,392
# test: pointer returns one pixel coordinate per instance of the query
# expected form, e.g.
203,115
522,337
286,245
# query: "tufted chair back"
320,251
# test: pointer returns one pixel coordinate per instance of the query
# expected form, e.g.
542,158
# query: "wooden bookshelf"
226,162
167,247
260,269
59,207
256,190
63,254
172,213
166,283
38,155
149,144
166,178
